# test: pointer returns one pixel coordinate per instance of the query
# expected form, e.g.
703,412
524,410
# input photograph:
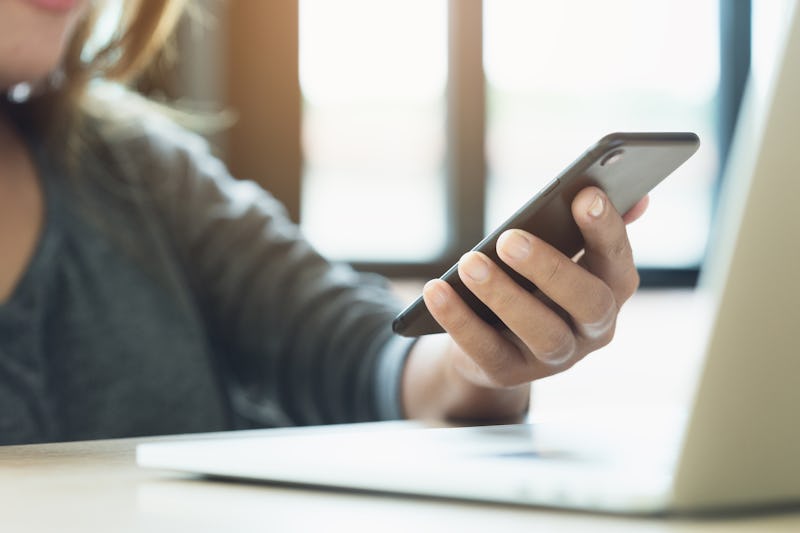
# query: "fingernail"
515,244
596,209
474,266
435,294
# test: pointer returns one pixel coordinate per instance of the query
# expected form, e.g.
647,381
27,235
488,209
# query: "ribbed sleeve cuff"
389,375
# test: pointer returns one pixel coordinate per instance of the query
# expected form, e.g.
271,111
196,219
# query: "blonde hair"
143,28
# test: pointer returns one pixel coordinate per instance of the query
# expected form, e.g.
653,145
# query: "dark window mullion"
465,170
734,68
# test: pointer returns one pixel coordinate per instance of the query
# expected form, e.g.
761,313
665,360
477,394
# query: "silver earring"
20,92
23,91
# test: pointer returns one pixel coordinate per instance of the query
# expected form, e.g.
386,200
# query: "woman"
144,291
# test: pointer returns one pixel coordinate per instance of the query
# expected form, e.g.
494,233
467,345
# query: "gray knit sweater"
166,297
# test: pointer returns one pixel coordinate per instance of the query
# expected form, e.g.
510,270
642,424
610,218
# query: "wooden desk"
95,486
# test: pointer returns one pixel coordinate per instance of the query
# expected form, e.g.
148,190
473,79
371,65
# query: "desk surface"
96,486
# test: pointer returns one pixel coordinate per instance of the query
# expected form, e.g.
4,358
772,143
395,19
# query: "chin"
32,73
33,38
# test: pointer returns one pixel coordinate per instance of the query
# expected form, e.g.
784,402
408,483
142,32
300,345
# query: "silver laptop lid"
742,442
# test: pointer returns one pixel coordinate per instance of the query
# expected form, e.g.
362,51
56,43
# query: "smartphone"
624,165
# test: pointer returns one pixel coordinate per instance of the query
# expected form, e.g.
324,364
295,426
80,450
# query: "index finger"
608,253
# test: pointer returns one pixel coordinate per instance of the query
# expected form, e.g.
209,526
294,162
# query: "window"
373,77
422,123
560,75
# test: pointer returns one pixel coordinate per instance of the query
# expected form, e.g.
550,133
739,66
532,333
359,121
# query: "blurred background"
399,132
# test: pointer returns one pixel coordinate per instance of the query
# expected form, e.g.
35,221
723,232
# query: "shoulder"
142,144
140,133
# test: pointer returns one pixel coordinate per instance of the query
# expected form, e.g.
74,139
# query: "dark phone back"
625,165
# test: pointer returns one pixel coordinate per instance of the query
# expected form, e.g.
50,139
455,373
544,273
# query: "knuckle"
456,323
635,281
597,328
605,337
630,283
602,305
503,378
557,344
494,370
620,250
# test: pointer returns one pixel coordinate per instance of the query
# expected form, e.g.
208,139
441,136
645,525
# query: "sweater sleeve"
302,340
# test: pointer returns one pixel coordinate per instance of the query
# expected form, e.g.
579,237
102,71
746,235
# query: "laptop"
736,446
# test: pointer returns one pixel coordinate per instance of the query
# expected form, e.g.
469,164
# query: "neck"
8,144
7,112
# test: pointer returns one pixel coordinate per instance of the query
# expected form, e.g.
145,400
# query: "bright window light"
373,78
560,75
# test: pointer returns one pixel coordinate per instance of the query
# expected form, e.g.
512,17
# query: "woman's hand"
573,314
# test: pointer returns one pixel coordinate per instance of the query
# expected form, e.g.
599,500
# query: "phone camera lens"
611,158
